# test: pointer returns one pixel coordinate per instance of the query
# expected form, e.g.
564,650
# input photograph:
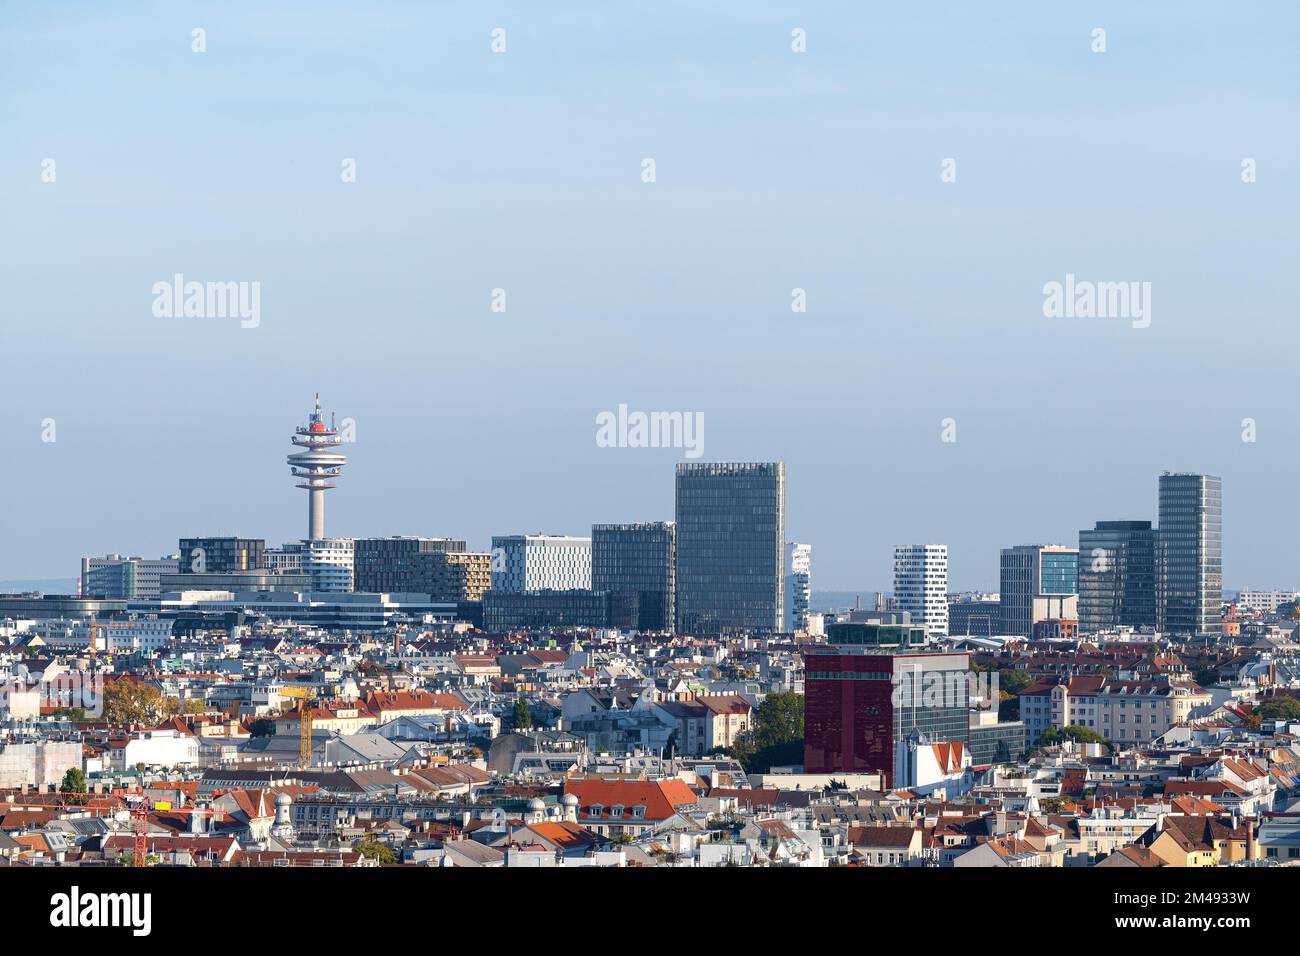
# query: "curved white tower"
316,466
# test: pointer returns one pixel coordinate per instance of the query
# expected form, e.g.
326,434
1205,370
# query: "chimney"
1252,840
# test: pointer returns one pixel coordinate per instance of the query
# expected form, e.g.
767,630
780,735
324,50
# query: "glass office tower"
635,563
1190,554
730,532
1038,582
1117,576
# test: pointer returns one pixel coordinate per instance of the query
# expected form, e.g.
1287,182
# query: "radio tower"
316,466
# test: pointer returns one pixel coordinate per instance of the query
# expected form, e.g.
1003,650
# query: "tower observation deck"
317,465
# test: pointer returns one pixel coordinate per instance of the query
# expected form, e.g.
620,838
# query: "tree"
776,736
1074,733
1279,708
372,849
131,701
262,728
779,719
74,782
522,718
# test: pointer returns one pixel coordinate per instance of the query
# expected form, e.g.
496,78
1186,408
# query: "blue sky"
521,171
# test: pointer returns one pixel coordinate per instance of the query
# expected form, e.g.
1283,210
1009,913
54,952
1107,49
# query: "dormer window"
596,809
616,811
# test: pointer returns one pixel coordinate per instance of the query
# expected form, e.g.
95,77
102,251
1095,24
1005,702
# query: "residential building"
798,586
921,584
539,562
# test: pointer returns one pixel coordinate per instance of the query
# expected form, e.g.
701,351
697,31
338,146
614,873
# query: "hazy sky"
522,171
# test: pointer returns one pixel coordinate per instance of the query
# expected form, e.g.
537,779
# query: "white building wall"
921,584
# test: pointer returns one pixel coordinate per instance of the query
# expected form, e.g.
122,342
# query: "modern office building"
1117,576
1189,556
116,576
219,555
978,617
235,581
636,564
921,584
514,610
391,565
871,686
540,562
798,586
730,538
1038,582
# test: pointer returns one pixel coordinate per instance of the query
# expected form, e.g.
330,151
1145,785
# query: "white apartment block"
329,561
921,584
539,562
1265,602
798,586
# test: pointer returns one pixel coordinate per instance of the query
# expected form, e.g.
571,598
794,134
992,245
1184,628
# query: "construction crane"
305,696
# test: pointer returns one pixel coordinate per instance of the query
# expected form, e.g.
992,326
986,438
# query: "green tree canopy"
522,719
1074,733
1279,708
74,781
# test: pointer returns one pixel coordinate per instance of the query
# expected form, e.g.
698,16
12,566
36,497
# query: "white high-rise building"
921,584
540,562
798,586
329,561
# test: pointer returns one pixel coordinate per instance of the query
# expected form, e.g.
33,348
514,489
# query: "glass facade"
392,565
1059,572
516,610
220,555
1031,573
1189,550
636,563
730,536
1117,576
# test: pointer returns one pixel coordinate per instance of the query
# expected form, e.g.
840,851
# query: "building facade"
540,562
640,560
1038,582
115,576
219,555
514,610
798,586
870,687
1189,579
730,538
921,584
1117,576
391,565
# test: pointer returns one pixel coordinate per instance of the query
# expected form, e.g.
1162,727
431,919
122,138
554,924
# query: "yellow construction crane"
305,695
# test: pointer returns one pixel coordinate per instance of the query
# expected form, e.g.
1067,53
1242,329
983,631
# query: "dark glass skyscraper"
636,564
730,534
1189,558
1117,576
